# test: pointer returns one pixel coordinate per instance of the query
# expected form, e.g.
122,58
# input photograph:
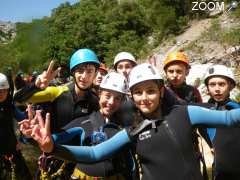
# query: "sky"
26,10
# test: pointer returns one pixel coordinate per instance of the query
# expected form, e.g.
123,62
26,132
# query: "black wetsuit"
8,142
186,93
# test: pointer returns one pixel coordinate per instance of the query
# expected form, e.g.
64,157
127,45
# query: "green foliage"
106,26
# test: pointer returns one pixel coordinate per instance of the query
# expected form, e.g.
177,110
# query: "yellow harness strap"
79,175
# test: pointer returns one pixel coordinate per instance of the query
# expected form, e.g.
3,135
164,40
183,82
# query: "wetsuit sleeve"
18,114
68,135
25,93
233,105
91,154
213,118
47,95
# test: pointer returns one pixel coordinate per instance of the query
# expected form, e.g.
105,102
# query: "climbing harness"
47,164
7,167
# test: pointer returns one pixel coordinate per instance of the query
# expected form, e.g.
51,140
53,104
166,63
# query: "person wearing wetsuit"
163,145
12,162
101,125
176,67
66,102
220,81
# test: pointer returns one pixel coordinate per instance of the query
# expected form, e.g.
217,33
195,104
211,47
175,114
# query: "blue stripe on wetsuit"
197,115
212,131
68,135
99,152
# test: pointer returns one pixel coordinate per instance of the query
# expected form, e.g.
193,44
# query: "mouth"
218,96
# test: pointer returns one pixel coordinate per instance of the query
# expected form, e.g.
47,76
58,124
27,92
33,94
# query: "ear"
187,71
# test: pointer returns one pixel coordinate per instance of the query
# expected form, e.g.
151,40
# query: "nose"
111,100
84,75
175,74
144,96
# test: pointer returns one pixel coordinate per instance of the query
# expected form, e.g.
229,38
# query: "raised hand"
152,60
42,134
27,125
43,79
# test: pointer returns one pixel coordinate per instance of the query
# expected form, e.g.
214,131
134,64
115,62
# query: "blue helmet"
83,56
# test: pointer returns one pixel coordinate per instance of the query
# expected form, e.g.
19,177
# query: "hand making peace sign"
42,134
43,79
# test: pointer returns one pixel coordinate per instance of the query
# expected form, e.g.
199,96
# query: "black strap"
143,125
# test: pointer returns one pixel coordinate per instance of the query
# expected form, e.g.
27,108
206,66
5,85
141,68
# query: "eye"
151,91
179,72
137,92
89,71
118,98
222,84
170,71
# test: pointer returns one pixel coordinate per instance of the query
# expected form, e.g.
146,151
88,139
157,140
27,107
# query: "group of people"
128,123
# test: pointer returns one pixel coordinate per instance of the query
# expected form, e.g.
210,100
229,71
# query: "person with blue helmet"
70,101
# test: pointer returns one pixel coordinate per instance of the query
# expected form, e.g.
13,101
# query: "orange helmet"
103,67
176,56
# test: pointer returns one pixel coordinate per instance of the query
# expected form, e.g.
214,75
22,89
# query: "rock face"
7,31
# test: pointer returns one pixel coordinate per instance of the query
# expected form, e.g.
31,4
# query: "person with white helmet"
219,81
123,63
9,145
162,143
98,127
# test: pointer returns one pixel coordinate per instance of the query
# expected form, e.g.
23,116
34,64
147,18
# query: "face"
84,75
100,74
3,94
146,96
176,74
109,102
218,88
124,67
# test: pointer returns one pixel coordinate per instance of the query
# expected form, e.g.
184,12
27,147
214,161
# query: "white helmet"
143,72
124,56
115,82
3,82
219,70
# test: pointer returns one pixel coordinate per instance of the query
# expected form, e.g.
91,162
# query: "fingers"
50,69
36,135
54,74
40,119
30,113
47,123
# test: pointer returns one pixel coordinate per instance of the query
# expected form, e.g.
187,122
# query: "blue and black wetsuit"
226,145
164,147
96,131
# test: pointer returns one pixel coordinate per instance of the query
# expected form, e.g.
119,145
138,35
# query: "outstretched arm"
213,118
90,154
